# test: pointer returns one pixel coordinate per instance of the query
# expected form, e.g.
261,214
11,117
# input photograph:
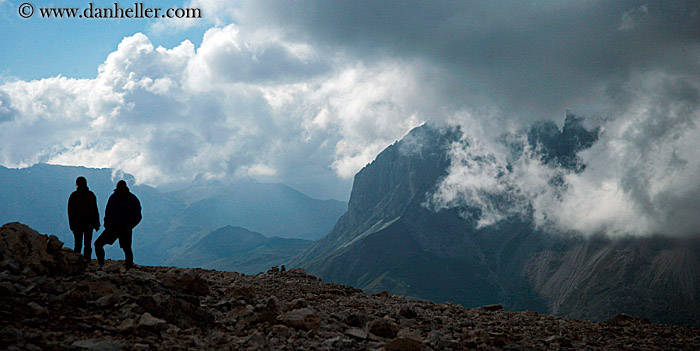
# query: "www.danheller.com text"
137,10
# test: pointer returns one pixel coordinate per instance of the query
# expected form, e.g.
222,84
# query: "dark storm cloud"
631,66
540,56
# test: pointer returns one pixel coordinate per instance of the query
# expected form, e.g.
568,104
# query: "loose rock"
52,300
147,320
302,318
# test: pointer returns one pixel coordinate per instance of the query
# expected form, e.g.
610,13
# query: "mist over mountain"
172,221
410,230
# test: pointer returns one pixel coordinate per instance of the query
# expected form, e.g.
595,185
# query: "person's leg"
78,236
128,257
108,237
125,243
88,244
99,251
99,243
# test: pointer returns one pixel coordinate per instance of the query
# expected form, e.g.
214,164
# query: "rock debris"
52,300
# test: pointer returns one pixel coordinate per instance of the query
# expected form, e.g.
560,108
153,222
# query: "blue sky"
306,93
38,47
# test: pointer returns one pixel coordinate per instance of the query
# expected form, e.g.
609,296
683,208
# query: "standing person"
122,214
83,216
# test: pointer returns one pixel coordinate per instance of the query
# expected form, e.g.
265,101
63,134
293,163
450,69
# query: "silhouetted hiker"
83,216
122,214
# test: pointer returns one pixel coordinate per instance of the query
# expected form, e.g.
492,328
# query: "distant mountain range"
272,209
238,249
389,240
172,221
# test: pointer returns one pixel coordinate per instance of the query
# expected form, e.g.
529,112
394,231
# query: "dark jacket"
82,210
123,210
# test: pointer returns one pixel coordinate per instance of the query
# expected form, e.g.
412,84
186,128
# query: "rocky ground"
52,300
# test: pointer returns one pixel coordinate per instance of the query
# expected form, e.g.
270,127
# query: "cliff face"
385,189
655,277
388,240
51,300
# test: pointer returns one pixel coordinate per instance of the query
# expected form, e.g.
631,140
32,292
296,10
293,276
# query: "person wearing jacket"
122,214
83,216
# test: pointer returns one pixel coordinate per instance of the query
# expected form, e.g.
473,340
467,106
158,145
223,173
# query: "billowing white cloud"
641,177
227,56
235,107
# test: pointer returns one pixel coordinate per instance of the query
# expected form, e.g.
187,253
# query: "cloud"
6,111
532,59
235,107
641,176
226,56
647,156
307,93
631,18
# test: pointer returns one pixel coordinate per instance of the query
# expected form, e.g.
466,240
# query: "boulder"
356,333
147,320
23,249
407,342
492,308
383,328
186,280
36,308
302,318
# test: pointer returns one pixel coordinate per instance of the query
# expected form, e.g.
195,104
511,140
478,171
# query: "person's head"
81,182
121,186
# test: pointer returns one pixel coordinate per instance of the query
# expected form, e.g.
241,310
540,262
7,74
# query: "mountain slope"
389,240
397,178
656,277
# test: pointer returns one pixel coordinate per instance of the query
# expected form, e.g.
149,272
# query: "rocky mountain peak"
397,180
402,173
